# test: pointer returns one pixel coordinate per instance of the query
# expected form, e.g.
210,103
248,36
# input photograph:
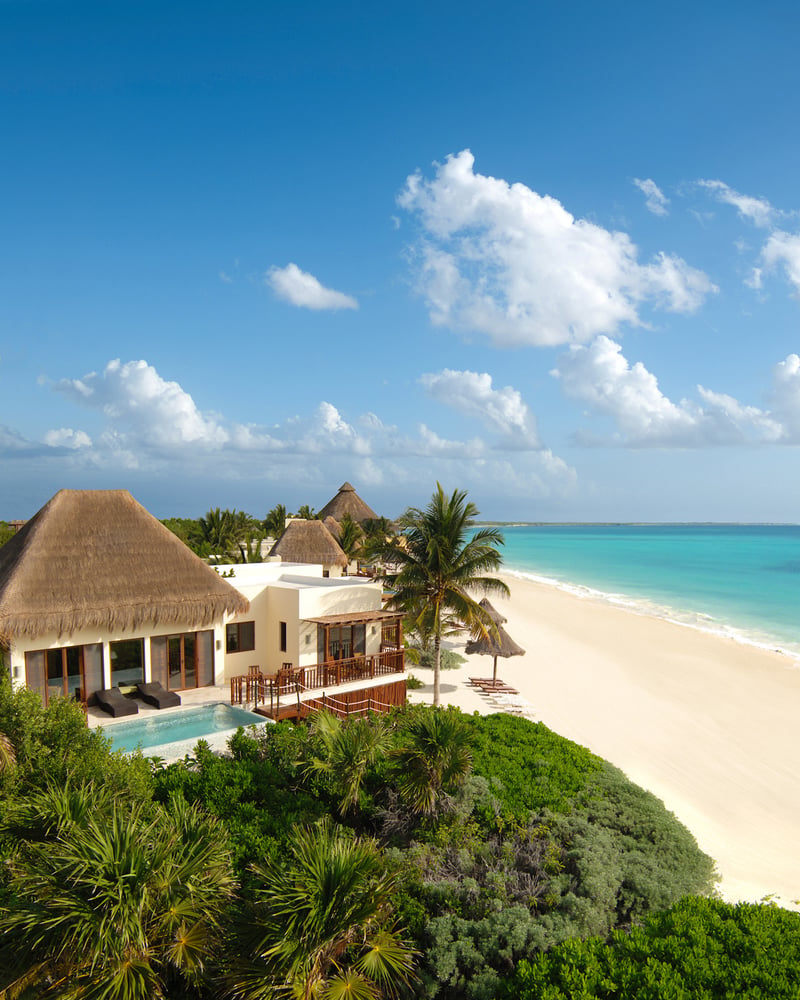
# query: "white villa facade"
95,594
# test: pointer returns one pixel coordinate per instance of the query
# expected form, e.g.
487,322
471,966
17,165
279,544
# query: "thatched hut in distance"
347,501
96,592
310,542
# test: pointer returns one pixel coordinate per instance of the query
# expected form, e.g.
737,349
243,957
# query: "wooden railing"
288,683
343,709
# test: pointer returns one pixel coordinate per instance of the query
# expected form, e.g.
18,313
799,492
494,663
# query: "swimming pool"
175,732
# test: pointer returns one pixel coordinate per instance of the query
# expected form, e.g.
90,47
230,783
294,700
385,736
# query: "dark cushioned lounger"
113,701
156,694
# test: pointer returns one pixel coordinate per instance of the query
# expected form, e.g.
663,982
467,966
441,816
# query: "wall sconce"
16,672
219,644
308,639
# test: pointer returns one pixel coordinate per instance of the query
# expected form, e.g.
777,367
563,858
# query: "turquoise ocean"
741,581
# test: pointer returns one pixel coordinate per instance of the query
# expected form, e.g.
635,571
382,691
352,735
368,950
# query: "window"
283,637
240,636
127,662
181,661
70,671
341,642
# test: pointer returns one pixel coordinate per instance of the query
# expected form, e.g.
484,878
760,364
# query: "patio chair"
113,701
155,694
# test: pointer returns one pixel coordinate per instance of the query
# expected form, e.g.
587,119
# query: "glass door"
182,661
64,673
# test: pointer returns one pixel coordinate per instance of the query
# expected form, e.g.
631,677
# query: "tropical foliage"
485,843
701,949
6,532
434,568
275,521
319,924
350,537
111,898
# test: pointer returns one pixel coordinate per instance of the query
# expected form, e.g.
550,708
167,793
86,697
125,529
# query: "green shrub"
536,768
700,949
53,744
448,660
623,846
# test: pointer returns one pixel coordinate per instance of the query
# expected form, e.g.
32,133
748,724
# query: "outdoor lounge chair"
113,701
157,695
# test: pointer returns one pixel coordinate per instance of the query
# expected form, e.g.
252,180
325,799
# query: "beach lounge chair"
155,694
113,701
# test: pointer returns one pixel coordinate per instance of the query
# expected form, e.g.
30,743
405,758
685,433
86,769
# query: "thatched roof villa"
94,559
96,593
88,578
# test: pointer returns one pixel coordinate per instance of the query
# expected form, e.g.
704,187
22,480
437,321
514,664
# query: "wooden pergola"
391,624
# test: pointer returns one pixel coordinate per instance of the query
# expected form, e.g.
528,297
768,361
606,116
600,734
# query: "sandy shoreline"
707,723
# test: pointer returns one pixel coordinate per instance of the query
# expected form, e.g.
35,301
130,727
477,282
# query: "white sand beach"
708,724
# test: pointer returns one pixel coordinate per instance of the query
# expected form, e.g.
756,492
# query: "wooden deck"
290,692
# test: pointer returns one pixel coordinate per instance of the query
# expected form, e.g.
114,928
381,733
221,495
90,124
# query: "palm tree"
112,899
319,925
344,751
350,537
216,531
275,521
307,513
8,757
434,569
433,756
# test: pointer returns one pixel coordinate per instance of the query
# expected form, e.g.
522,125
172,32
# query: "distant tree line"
224,535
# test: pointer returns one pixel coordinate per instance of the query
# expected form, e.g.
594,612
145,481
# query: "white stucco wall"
293,593
19,647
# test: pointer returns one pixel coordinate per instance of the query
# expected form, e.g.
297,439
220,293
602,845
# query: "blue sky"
548,253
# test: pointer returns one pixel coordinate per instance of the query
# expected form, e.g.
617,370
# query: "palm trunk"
437,666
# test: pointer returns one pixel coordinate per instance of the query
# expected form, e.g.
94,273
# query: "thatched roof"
98,559
347,501
308,542
332,525
500,644
492,611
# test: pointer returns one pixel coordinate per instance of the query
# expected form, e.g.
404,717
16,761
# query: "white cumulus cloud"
500,259
472,393
783,250
600,375
66,437
134,394
655,199
300,288
153,426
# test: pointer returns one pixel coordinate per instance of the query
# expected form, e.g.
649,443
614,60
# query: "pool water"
183,725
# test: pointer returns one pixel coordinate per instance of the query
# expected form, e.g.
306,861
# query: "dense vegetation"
700,949
226,535
496,857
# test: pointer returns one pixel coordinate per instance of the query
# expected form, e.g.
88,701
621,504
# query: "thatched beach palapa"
496,642
347,501
98,559
492,611
308,542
